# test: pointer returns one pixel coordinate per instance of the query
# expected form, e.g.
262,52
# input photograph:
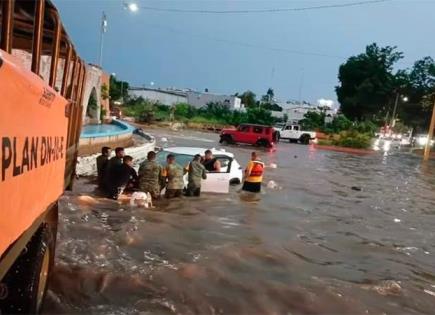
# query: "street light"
396,103
133,7
103,30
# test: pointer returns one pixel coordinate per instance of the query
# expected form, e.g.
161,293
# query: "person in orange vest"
253,174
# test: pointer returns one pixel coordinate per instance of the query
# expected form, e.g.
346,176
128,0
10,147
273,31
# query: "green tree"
313,120
419,88
249,99
367,82
118,89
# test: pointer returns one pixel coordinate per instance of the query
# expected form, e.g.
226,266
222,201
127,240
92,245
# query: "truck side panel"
33,131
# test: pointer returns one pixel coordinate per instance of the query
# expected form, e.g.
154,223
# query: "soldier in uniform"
102,161
173,172
149,176
197,172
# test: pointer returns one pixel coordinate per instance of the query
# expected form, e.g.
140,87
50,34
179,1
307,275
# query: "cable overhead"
273,10
245,44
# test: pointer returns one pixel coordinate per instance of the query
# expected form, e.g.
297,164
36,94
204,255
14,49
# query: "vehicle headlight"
422,140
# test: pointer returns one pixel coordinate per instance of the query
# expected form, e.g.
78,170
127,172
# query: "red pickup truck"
260,135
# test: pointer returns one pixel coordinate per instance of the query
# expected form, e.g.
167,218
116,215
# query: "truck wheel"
225,140
263,143
305,139
26,281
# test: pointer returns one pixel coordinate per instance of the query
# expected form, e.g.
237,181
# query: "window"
258,130
225,163
288,128
244,128
296,128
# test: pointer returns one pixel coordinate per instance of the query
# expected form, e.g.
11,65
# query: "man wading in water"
197,172
253,174
149,176
210,163
174,173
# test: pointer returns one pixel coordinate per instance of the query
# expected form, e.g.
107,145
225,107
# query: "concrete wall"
198,99
164,97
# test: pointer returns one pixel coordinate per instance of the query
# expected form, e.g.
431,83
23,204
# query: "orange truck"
41,89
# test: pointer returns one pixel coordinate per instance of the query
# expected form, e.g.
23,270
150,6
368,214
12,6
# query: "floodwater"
341,234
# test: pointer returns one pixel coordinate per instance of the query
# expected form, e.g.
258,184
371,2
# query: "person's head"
151,156
105,151
128,160
119,152
197,158
208,155
254,156
170,158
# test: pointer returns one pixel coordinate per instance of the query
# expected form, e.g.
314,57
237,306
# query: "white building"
165,97
199,99
172,96
296,111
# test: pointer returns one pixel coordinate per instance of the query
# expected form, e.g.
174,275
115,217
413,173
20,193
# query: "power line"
248,45
273,10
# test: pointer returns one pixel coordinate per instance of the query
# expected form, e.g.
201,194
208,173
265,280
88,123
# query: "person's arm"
248,170
217,166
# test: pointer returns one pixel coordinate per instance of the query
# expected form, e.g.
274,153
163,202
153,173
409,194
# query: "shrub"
353,139
338,124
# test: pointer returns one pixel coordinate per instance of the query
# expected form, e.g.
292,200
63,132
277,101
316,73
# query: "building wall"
163,97
198,99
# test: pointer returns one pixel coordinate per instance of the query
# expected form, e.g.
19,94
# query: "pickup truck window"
258,130
296,128
244,128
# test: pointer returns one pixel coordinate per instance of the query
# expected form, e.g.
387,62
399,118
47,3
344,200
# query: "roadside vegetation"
372,89
215,114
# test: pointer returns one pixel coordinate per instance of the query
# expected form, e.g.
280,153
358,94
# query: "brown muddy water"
342,234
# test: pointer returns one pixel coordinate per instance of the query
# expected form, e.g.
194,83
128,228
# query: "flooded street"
341,234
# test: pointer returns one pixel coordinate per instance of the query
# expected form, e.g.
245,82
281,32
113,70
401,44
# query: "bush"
338,124
353,139
313,120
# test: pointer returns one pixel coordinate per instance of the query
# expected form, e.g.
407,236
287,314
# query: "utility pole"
429,136
393,117
103,30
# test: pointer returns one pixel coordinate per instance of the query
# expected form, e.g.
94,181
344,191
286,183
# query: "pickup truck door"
243,134
286,132
218,182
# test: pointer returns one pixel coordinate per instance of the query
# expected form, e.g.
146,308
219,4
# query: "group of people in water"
117,175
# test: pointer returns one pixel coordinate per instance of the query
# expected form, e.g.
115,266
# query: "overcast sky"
295,53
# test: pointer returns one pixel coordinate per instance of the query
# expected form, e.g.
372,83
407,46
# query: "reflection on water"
317,245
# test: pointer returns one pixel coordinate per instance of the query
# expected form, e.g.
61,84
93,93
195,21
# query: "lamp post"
396,103
103,30
132,7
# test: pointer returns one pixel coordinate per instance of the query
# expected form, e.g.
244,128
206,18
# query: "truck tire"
225,140
26,282
263,143
305,139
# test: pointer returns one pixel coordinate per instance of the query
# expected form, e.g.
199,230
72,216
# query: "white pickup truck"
294,133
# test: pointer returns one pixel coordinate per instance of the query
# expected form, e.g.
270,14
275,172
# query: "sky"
296,53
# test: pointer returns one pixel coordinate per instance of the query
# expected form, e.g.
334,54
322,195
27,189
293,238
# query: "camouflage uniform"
174,173
149,178
197,172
